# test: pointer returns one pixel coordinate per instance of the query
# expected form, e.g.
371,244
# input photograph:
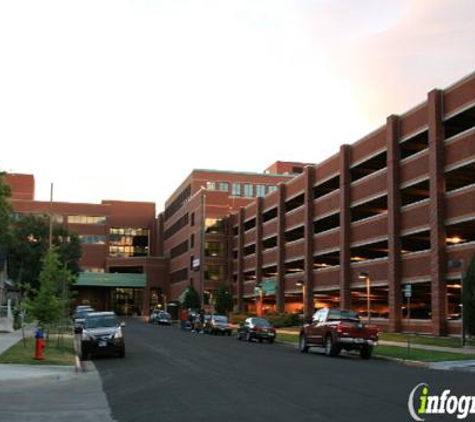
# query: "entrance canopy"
111,280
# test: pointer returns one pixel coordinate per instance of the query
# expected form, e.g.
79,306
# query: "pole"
51,217
368,298
202,258
462,302
408,325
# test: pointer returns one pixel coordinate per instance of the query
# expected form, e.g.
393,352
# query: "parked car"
154,315
163,318
83,308
256,328
78,318
336,330
102,332
217,324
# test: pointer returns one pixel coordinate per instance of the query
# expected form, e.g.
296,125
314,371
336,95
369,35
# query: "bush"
283,320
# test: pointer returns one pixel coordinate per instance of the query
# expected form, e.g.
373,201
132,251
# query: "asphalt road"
171,375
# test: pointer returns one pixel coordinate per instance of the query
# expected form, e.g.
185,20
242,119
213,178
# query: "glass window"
224,186
127,242
214,225
260,190
214,272
248,190
236,190
214,249
86,219
271,188
211,185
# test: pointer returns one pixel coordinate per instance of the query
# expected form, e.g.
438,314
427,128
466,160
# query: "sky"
122,99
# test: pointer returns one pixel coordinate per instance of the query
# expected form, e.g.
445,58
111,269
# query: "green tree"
469,298
223,300
5,218
30,243
47,307
191,299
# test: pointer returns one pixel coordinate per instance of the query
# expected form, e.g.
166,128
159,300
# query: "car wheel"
271,340
303,347
331,349
238,336
365,352
248,336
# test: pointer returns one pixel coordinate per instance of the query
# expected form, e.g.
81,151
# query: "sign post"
408,295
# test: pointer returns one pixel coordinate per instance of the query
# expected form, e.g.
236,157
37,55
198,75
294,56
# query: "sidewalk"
465,350
11,372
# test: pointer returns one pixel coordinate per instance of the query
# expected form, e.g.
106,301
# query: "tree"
47,306
30,241
223,300
5,218
469,298
191,299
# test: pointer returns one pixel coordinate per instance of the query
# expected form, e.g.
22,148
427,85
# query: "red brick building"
392,209
194,229
121,268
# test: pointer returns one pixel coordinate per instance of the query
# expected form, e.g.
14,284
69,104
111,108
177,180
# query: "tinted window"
101,321
261,322
343,315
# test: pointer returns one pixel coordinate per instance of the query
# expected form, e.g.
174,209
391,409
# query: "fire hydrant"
40,344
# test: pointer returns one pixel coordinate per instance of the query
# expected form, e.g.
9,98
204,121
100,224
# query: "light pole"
364,275
259,292
301,284
459,264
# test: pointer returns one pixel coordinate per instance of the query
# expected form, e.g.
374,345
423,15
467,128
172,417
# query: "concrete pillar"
437,211
345,256
280,296
394,223
240,262
259,209
309,178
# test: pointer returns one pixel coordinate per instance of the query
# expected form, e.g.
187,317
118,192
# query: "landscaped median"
417,351
55,352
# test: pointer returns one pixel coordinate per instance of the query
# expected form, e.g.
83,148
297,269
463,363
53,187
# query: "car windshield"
165,316
336,315
219,318
81,315
261,322
101,321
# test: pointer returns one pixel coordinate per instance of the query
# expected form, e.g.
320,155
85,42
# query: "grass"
420,355
52,355
426,340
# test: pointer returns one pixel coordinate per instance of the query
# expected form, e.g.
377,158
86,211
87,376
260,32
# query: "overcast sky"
122,99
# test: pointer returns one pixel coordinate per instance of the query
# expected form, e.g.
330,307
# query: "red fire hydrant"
40,344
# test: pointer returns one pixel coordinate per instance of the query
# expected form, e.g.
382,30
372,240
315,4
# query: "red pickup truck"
335,329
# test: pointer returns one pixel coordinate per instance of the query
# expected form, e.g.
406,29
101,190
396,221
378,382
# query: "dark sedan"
256,328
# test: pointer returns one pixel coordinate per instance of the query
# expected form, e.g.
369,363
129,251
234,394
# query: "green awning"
111,280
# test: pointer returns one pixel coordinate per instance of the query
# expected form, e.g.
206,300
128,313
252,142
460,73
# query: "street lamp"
364,275
259,292
459,264
300,283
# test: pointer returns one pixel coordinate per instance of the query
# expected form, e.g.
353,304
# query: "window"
271,188
127,242
248,190
92,240
214,272
214,249
224,186
176,227
236,190
214,225
179,249
260,190
86,219
179,275
192,241
192,223
210,185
